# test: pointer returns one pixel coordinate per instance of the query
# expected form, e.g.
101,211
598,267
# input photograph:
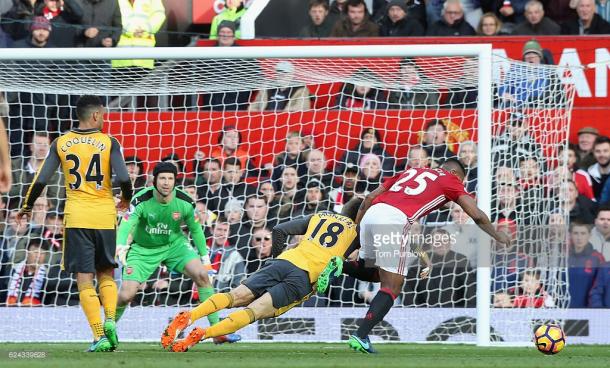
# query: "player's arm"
49,166
282,231
479,217
368,201
196,232
424,261
120,169
125,228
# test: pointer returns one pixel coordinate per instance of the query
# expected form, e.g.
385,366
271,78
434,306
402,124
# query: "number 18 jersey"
328,234
85,162
417,192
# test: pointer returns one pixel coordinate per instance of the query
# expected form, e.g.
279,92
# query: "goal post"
171,120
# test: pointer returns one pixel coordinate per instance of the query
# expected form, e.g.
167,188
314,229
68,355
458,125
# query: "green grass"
288,355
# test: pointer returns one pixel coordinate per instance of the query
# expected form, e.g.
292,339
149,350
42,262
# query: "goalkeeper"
155,221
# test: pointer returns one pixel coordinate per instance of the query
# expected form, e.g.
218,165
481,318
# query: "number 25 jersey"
328,235
417,192
85,162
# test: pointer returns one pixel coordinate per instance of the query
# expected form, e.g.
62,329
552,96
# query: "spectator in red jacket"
228,146
65,16
529,294
581,177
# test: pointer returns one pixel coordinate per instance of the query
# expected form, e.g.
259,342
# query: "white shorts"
384,239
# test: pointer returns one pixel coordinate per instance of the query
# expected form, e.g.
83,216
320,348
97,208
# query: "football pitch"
289,355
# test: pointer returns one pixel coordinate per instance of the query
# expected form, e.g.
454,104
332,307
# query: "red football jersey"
417,192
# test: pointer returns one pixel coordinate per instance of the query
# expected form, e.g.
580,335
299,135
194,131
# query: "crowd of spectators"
239,201
125,23
438,18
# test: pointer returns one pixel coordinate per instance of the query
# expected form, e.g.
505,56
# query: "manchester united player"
88,157
387,213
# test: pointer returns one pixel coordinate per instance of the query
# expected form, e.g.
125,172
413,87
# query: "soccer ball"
549,339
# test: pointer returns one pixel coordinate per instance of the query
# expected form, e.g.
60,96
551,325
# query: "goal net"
262,136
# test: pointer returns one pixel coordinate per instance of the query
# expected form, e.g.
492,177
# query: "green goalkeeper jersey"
154,224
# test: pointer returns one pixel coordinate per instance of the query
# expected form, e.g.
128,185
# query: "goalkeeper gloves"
121,253
207,264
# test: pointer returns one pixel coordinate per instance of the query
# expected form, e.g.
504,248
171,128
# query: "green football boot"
100,345
110,332
361,345
334,265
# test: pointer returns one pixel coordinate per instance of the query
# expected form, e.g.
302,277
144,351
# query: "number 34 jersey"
328,235
85,157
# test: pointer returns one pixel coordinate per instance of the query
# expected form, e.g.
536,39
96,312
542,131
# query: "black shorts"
89,250
285,282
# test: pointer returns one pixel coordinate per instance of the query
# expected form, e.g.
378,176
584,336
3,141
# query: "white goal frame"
484,109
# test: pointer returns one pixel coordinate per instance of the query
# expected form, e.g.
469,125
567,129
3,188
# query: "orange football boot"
180,322
193,338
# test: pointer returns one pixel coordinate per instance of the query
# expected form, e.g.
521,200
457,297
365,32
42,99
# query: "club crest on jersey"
129,270
176,216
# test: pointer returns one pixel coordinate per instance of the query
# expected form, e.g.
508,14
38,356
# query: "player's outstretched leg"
391,283
234,321
260,308
197,272
238,297
357,269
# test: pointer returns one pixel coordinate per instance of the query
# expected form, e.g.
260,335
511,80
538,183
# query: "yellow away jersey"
328,235
85,162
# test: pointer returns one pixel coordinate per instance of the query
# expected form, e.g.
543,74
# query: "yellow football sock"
109,295
91,306
213,304
232,323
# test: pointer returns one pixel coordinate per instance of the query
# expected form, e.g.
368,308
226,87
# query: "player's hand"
123,205
503,238
424,273
121,254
